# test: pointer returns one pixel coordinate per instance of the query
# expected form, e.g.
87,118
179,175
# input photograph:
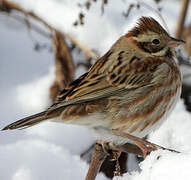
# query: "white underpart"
91,121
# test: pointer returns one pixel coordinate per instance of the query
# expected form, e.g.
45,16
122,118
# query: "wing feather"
129,74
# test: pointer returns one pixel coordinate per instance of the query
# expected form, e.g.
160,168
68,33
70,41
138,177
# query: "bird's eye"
155,41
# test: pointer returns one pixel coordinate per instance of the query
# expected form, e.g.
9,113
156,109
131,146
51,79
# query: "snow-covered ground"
50,150
164,165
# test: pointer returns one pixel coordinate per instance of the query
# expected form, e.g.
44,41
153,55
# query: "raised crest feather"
147,24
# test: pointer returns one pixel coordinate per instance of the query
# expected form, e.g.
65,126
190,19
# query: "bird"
126,94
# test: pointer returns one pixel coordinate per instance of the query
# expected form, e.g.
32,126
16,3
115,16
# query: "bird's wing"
106,79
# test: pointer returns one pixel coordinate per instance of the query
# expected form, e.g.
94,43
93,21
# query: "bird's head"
150,37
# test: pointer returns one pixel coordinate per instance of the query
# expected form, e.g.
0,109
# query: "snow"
164,165
35,104
174,133
44,161
51,150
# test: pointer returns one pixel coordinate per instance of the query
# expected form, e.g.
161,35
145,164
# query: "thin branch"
63,63
128,148
32,26
88,52
126,14
97,159
100,155
7,6
181,19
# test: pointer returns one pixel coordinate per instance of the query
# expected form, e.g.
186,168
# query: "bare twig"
100,155
181,19
186,35
126,14
128,148
104,2
88,53
7,6
108,166
64,65
97,159
32,26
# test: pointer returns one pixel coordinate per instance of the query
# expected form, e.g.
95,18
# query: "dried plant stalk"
7,6
181,19
64,68
97,159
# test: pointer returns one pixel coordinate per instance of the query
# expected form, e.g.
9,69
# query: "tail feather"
28,121
34,119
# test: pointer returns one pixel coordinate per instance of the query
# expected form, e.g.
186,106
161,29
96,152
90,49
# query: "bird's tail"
30,121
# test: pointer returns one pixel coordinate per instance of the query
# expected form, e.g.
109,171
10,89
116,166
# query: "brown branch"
63,63
186,35
7,6
126,14
181,19
88,52
108,165
128,148
99,156
32,26
97,159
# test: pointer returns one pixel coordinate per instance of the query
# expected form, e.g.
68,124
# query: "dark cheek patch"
149,47
145,47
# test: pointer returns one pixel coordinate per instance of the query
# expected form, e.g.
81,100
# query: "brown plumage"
131,89
148,24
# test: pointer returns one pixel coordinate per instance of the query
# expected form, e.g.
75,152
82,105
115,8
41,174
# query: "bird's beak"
175,42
